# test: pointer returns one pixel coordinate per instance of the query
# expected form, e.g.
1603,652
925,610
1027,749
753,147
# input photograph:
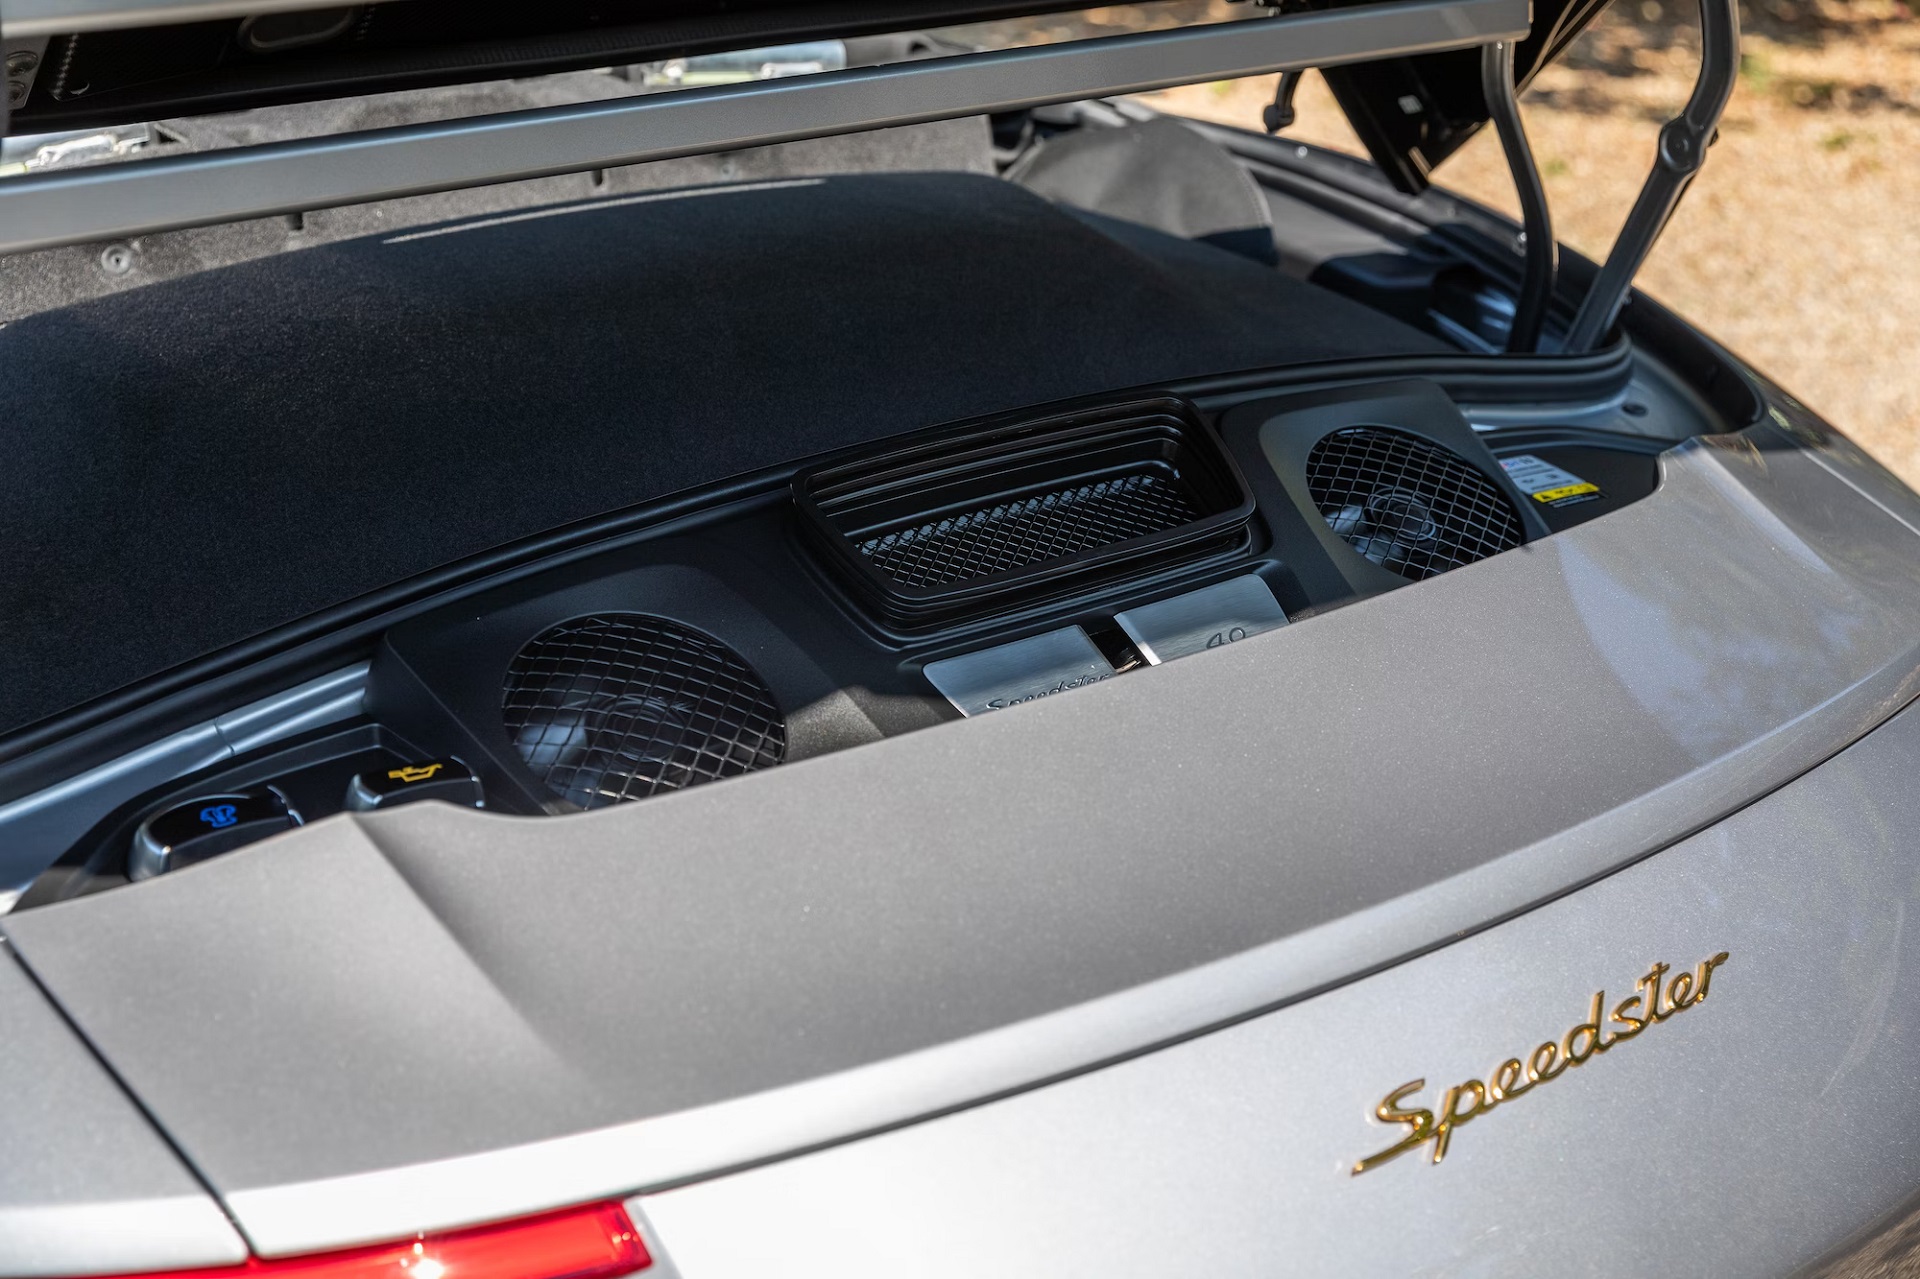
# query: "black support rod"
1536,285
1683,149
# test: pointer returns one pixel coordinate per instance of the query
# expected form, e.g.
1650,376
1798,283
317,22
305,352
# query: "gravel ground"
1799,245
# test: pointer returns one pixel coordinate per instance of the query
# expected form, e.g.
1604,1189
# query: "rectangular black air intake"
978,519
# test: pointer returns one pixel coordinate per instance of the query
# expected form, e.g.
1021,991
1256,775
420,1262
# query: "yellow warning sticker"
1546,483
1550,496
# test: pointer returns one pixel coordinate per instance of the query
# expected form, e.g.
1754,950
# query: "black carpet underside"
187,465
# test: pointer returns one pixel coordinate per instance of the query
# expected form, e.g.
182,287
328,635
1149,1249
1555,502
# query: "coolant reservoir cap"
204,827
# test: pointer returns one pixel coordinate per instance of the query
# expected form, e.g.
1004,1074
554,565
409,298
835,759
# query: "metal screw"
16,92
22,62
116,259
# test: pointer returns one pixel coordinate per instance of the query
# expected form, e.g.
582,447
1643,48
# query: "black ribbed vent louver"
621,706
1406,504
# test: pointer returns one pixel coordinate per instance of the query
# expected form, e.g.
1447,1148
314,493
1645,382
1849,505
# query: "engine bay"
705,634
840,458
737,636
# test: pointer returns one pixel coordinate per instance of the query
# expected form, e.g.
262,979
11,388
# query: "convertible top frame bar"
138,197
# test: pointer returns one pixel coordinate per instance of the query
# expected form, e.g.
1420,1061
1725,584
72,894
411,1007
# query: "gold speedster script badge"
1659,998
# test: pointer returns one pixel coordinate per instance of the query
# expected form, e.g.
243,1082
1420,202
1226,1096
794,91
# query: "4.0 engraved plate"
1211,617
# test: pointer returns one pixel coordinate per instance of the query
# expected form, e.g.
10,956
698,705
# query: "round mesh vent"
1407,504
621,706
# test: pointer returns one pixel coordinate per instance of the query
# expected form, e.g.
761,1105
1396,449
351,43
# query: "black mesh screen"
1406,504
1013,535
622,706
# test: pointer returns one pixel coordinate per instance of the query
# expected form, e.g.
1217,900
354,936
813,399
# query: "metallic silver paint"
86,1185
1749,1137
432,1017
116,201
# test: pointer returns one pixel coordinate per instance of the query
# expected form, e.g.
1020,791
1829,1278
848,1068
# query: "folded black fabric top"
187,465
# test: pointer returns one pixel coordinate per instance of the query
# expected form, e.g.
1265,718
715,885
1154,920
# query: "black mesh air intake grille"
1406,504
621,706
990,516
1015,534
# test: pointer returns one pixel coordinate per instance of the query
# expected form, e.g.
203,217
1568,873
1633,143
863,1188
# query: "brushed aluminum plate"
1212,617
1023,671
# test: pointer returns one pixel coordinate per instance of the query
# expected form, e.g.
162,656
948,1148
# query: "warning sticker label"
1546,483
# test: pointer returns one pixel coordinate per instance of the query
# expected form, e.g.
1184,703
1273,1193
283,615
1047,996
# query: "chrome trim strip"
138,197
36,829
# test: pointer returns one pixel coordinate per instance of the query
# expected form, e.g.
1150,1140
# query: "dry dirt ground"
1798,246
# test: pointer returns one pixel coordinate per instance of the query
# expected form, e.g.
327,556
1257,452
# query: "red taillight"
579,1243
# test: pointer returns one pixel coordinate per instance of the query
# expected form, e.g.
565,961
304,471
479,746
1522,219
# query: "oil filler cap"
204,827
446,779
